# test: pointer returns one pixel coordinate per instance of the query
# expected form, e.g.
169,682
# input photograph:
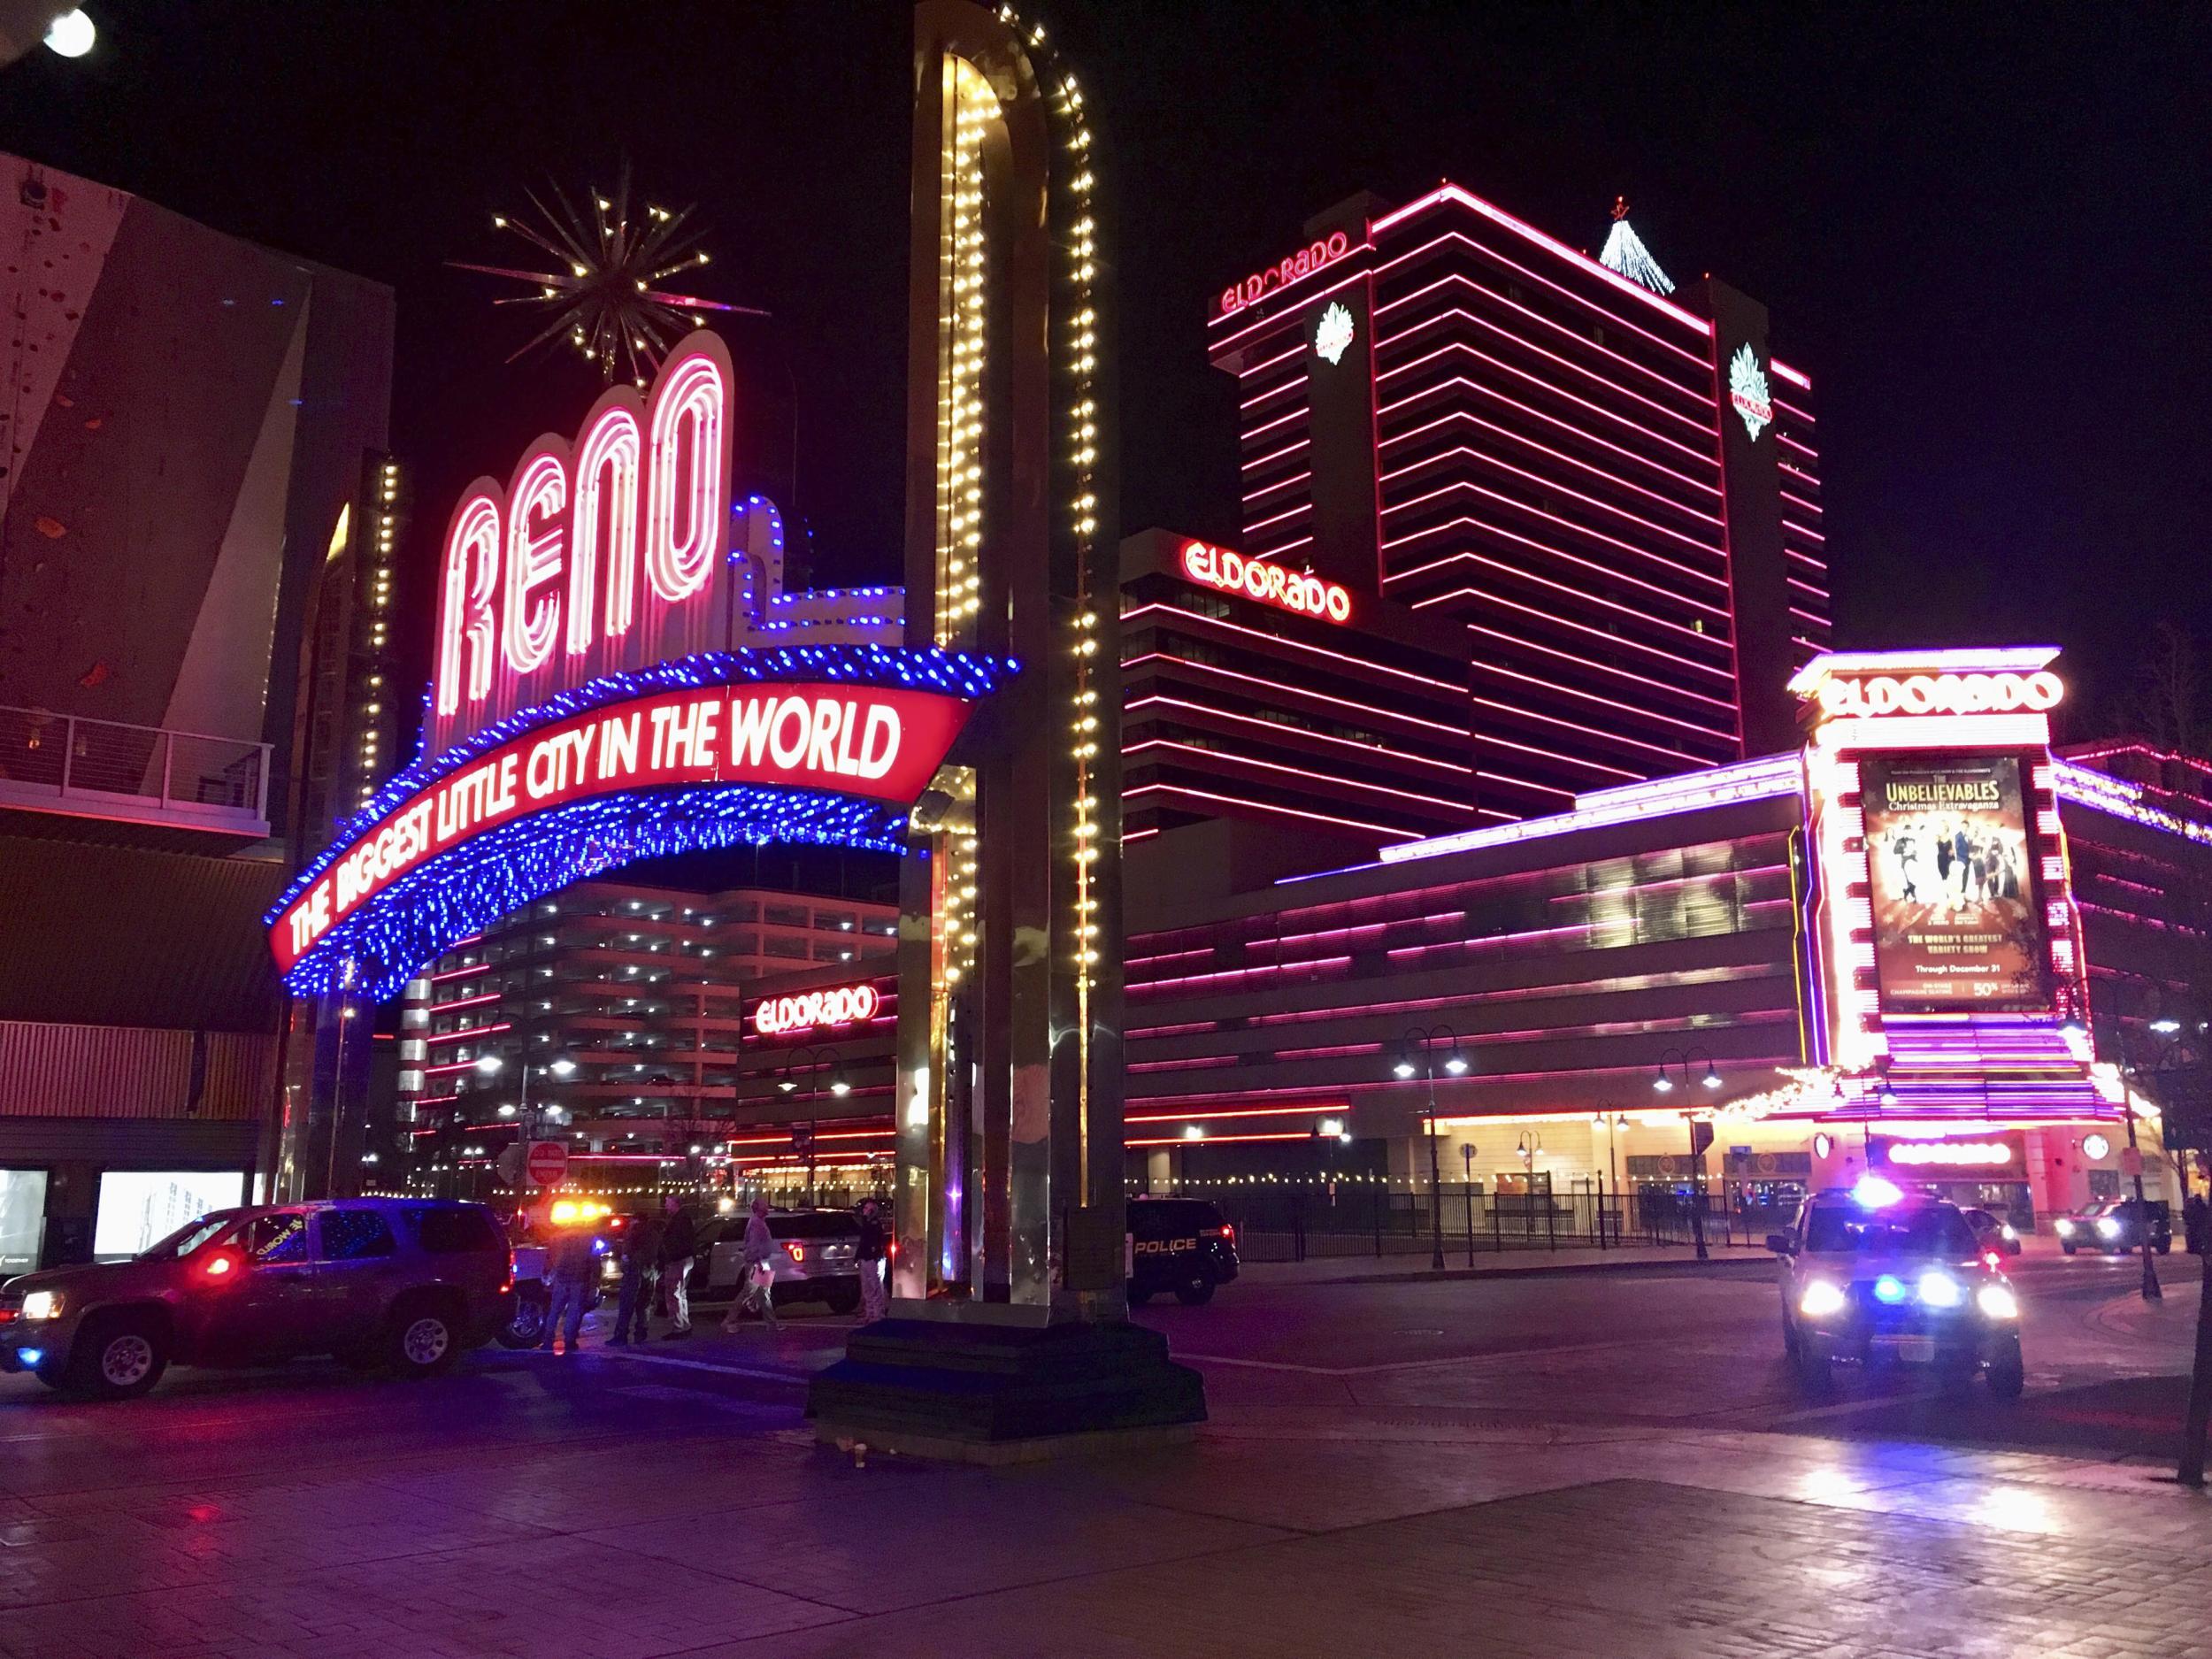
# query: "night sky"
1983,232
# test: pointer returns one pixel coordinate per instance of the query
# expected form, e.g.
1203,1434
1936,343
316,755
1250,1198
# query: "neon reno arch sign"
584,711
815,1011
1228,572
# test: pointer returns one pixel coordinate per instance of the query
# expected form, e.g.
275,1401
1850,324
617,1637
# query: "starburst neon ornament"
1748,392
1624,252
1333,337
604,287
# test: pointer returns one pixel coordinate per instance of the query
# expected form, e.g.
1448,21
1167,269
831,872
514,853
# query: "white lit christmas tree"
1624,252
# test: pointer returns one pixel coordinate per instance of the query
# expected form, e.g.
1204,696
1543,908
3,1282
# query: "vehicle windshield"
191,1236
1939,1234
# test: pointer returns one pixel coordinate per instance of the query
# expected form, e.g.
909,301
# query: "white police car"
1877,1273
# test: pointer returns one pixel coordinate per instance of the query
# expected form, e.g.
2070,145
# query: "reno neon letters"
597,557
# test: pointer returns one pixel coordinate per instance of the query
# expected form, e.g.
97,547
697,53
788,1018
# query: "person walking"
875,1299
678,1248
572,1264
759,1272
640,1253
2196,1225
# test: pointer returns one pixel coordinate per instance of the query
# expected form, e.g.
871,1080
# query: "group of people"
656,1253
1939,862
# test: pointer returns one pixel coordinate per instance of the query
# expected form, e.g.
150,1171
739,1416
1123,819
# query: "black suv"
1178,1244
407,1283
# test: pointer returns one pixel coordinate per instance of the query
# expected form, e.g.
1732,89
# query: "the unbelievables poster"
1954,921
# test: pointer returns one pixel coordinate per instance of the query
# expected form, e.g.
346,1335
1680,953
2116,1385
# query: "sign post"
547,1165
1701,1139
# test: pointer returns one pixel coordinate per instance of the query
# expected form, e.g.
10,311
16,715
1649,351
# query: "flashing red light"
1224,1231
220,1265
508,1283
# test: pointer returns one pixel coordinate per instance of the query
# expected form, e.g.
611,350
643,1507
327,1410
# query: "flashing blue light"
1891,1289
1873,1191
30,1357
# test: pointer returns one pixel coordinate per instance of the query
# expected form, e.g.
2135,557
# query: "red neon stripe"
1261,368
1622,773
1277,550
466,1002
1277,639
1613,478
1281,483
1468,521
1295,691
1649,649
474,1031
1205,1064
1791,375
1810,535
1288,449
1556,326
1275,391
1280,731
1269,806
452,1065
1255,526
1233,1111
1589,266
1542,385
461,973
1250,433
1524,783
1470,487
1702,422
1220,1141
1335,780
1137,835
1482,458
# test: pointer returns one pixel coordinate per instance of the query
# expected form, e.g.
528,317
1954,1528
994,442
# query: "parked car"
406,1283
2116,1226
1183,1245
1992,1232
1873,1272
818,1259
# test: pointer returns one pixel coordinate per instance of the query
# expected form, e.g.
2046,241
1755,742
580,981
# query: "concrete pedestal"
1004,1393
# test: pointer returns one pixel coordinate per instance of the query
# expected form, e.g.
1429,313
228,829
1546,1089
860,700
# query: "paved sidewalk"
1398,1268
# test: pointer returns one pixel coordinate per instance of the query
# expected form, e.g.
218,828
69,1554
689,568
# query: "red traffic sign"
549,1163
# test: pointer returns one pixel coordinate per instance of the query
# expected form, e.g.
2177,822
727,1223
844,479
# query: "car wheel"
1138,1298
423,1339
2008,1371
1814,1374
1195,1290
526,1327
2069,1248
117,1358
844,1299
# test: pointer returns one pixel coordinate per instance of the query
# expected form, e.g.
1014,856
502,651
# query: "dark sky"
1983,231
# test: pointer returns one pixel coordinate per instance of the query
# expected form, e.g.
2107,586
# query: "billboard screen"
1954,918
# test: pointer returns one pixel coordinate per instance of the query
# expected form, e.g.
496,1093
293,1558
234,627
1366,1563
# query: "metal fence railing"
216,780
1294,1224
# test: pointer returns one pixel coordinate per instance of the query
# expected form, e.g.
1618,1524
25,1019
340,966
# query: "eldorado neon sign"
1880,695
1305,262
1230,572
815,1011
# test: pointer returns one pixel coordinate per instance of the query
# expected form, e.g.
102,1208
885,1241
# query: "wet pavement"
1582,1463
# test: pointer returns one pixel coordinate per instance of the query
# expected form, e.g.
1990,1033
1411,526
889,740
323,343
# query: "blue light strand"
962,674
465,889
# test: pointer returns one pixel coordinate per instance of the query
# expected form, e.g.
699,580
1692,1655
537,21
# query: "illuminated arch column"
1010,1191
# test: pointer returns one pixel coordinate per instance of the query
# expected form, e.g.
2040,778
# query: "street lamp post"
1416,1058
2164,1026
1663,1084
526,1126
817,1056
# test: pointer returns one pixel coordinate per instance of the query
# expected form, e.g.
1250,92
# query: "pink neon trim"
1254,526
1527,644
1703,424
1608,737
474,1031
1716,551
1607,605
1279,639
1794,412
1481,356
1713,669
1269,806
1696,361
1281,483
456,973
1810,535
1511,782
1614,478
1296,691
1671,595
1277,454
1278,550
1453,193
1261,368
1791,375
1250,433
1283,732
466,1002
1336,779
1276,390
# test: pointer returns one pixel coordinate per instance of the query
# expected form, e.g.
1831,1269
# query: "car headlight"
2009,1233
1997,1301
1820,1299
42,1304
1940,1290
2107,1228
2064,1227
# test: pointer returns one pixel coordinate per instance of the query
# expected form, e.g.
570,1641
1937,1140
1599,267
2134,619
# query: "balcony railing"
137,775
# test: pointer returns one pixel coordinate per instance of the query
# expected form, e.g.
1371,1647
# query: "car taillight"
508,1283
1990,1257
1224,1231
797,1252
